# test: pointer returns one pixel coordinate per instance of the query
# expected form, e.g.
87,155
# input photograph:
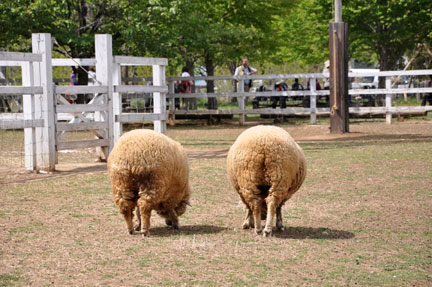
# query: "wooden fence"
47,116
389,92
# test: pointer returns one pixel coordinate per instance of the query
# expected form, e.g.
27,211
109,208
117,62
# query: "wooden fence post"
339,110
388,101
117,103
44,103
104,70
241,102
159,99
28,110
313,101
171,90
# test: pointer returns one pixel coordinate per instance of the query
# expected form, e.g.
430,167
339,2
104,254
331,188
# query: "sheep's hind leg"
279,220
128,215
256,209
145,212
271,210
137,227
249,220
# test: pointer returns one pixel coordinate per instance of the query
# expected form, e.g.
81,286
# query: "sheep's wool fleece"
150,163
266,156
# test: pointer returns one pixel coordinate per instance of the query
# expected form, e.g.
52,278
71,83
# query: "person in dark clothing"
296,85
428,97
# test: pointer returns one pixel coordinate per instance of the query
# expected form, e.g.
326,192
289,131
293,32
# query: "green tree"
382,30
387,28
218,32
303,33
72,23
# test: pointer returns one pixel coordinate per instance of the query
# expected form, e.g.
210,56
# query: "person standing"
245,69
327,81
296,86
186,88
326,70
428,97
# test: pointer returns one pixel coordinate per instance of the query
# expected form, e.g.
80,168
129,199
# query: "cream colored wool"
266,167
149,170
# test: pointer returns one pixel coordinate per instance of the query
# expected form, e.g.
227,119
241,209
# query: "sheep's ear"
188,203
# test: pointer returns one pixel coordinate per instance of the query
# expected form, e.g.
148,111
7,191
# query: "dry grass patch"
362,218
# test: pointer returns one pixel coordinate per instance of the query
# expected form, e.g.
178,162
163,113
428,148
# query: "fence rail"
20,124
20,57
388,110
74,90
140,61
140,89
20,90
73,62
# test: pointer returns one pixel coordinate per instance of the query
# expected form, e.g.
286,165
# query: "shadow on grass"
83,169
300,232
166,231
21,175
222,153
368,140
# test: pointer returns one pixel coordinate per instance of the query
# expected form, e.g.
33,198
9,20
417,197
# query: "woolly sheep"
149,171
266,167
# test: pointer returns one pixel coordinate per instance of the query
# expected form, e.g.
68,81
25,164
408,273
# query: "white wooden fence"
45,110
389,110
47,116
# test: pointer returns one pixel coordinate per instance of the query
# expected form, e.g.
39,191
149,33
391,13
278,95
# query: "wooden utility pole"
339,98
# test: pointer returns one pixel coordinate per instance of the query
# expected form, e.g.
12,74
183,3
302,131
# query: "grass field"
363,217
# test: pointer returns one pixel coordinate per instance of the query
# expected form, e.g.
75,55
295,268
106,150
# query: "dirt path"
360,133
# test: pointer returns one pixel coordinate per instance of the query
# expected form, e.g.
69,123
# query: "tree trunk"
190,67
125,76
232,65
82,76
4,108
212,102
384,65
192,101
81,72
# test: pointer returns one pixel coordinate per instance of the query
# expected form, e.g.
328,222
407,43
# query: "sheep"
149,171
266,167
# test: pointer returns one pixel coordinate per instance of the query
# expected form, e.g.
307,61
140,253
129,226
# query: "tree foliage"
72,23
387,28
378,30
218,32
303,33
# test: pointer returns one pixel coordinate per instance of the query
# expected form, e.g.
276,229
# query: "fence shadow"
166,231
300,232
9,175
367,140
222,153
63,169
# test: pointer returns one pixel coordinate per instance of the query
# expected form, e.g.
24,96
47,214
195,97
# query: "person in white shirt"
92,77
326,70
186,88
245,69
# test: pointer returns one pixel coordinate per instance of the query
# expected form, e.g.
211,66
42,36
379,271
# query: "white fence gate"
47,116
